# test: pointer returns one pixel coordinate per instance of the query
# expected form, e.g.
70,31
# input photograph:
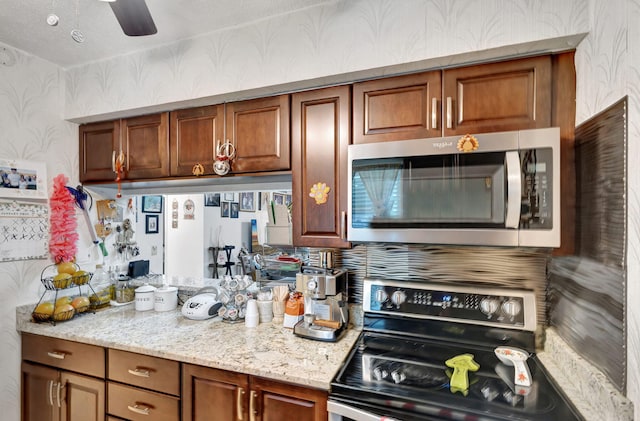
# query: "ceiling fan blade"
134,17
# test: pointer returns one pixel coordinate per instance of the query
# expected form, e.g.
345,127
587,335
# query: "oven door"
350,411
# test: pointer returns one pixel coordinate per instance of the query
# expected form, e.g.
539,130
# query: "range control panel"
477,305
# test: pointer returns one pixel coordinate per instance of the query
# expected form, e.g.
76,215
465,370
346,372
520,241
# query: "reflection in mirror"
180,233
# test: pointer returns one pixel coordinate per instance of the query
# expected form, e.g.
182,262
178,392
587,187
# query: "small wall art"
224,209
212,199
235,207
247,202
151,224
152,204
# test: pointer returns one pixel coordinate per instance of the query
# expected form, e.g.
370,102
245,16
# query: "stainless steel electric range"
436,352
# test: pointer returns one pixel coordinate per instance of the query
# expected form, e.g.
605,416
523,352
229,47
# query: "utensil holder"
278,312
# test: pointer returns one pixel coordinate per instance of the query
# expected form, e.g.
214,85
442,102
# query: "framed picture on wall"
235,207
152,204
229,197
212,199
278,198
224,209
247,202
151,224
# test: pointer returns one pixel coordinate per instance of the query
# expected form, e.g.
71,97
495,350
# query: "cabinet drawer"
144,371
67,355
138,405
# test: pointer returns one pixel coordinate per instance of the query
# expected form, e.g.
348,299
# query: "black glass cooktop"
407,378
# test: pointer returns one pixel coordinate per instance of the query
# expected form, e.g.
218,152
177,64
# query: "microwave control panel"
537,198
497,307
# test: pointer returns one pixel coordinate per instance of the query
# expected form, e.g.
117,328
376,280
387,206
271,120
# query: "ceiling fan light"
108,1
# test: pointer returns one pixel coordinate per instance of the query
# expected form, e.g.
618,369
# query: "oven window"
438,191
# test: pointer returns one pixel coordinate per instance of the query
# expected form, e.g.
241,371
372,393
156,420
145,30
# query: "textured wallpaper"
341,37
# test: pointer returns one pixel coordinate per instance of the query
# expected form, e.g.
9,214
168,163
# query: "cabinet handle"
434,113
239,406
51,392
449,110
139,409
58,393
252,406
140,372
57,355
113,162
343,225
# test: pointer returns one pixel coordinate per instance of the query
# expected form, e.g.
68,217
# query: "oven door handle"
514,189
338,410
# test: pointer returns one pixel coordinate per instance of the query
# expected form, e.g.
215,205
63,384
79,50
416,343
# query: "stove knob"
511,308
398,297
380,373
398,376
381,296
489,306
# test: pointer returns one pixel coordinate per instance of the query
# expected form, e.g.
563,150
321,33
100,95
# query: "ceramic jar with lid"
144,300
165,298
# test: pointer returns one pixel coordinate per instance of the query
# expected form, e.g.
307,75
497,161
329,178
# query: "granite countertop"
268,350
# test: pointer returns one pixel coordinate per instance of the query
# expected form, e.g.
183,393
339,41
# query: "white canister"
165,298
144,297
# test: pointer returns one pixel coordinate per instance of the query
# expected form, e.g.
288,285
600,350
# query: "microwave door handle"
514,189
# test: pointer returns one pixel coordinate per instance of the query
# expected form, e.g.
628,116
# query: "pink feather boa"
63,241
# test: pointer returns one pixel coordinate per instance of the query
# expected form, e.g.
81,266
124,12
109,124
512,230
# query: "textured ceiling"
23,25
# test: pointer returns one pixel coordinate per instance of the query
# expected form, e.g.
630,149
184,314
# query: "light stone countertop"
267,351
587,388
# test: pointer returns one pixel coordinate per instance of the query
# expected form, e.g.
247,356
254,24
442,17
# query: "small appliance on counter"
325,303
202,306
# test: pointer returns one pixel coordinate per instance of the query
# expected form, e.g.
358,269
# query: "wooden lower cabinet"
212,394
50,395
138,404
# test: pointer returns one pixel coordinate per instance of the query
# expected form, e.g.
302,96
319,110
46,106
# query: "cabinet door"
510,95
259,130
320,122
145,142
397,108
98,141
38,401
194,133
214,395
83,398
275,401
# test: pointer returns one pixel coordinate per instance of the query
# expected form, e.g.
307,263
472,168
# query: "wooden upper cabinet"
397,108
259,130
145,142
98,141
496,97
320,132
194,133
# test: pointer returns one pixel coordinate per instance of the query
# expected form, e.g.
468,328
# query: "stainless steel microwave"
496,189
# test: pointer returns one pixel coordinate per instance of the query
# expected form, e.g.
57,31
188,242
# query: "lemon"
66,267
62,301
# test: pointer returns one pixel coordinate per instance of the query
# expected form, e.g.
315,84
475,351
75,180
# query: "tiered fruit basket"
55,279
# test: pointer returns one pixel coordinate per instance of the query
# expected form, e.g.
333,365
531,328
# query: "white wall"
183,241
338,38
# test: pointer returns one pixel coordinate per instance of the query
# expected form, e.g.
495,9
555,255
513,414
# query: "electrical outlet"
154,250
